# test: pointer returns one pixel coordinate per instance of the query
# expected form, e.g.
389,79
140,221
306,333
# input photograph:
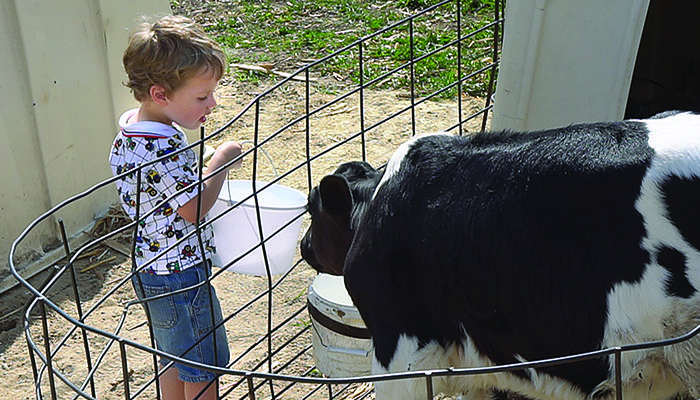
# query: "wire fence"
92,342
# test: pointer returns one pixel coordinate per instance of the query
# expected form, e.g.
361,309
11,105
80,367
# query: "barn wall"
62,92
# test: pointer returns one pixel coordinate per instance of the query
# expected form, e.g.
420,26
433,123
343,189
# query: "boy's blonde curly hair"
167,52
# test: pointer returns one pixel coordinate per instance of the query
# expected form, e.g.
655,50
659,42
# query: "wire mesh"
105,328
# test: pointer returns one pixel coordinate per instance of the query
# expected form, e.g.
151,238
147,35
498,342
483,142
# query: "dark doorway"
667,70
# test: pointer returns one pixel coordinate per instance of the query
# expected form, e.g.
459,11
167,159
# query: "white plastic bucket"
342,346
237,231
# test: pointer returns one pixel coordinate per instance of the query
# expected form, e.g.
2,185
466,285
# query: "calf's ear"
336,198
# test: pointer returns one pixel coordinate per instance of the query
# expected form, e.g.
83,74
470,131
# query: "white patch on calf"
397,158
409,356
676,140
643,311
635,315
685,356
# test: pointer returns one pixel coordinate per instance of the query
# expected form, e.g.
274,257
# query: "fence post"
47,348
618,374
251,387
429,385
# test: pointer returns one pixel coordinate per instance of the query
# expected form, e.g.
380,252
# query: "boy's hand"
226,152
223,154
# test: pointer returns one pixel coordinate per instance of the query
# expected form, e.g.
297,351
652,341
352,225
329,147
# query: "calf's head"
336,206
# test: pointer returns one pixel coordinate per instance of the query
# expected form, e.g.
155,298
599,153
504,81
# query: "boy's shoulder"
148,140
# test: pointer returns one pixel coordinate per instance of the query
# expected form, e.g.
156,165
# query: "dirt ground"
101,273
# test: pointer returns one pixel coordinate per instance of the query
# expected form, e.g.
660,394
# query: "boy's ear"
158,95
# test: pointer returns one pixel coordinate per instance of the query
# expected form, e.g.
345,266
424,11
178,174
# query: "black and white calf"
505,247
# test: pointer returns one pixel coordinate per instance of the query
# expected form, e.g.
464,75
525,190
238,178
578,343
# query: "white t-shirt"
137,145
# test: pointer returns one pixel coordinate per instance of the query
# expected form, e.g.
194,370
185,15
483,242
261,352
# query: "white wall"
61,93
566,61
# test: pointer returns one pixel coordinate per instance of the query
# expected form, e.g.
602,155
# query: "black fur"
514,237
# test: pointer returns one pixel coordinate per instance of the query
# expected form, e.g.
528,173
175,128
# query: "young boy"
173,69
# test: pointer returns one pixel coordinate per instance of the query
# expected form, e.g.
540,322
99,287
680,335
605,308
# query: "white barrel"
342,345
237,231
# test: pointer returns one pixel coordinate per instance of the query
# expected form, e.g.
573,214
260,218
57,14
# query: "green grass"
285,32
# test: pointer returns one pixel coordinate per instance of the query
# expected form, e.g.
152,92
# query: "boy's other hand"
226,152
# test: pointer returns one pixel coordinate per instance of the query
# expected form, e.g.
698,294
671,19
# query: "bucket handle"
274,169
272,163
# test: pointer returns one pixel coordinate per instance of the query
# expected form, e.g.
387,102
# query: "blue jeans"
180,321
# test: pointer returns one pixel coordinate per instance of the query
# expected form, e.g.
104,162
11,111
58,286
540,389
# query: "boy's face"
189,105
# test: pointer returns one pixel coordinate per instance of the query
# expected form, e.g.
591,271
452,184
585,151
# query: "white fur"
410,357
642,312
397,158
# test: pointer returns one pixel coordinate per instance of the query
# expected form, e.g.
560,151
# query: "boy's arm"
212,186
